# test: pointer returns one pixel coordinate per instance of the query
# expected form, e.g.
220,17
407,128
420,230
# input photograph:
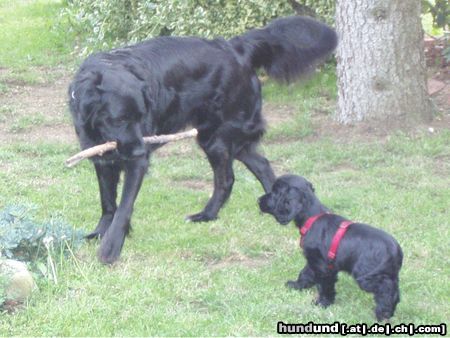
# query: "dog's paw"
383,316
293,285
93,235
323,302
101,228
200,217
111,246
299,284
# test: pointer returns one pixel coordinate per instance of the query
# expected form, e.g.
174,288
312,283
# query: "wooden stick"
108,146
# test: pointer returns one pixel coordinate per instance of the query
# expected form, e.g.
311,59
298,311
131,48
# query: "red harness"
334,242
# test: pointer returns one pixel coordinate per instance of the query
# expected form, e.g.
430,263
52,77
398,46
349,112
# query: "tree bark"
381,64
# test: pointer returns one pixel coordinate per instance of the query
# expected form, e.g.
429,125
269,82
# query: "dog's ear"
147,98
100,88
302,201
86,96
311,186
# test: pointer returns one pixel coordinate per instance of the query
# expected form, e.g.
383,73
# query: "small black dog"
370,255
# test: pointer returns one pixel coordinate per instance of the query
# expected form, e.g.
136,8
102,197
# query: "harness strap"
308,224
334,242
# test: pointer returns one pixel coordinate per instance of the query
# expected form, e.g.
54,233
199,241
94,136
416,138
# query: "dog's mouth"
130,151
284,221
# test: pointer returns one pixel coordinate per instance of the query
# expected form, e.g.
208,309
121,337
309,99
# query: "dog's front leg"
114,238
108,178
306,279
326,287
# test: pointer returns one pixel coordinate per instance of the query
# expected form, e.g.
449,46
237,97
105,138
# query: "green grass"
225,277
28,37
32,39
315,94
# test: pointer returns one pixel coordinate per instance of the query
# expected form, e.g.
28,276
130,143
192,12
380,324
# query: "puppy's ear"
303,201
311,186
265,203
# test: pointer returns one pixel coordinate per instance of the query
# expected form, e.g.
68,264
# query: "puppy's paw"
300,284
201,217
293,285
383,316
323,302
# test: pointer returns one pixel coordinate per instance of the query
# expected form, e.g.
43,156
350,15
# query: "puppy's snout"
263,205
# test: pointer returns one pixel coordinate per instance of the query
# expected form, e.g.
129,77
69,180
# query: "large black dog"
162,85
370,255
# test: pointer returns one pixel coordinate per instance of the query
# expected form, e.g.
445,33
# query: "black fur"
370,255
162,85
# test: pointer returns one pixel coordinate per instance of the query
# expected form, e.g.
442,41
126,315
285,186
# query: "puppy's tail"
287,47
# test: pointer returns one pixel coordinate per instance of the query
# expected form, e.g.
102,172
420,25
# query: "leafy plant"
439,10
108,23
22,238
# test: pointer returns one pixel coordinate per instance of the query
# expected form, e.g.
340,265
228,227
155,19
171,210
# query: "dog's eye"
120,121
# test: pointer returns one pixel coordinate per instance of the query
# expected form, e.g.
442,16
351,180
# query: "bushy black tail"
287,47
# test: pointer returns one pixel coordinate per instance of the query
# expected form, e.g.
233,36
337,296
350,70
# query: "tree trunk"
381,65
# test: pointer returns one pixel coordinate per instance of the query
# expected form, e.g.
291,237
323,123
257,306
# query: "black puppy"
332,244
163,85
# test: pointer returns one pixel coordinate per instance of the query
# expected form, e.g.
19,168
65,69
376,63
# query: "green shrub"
108,23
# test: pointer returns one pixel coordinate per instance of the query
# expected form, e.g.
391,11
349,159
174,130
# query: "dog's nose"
260,201
262,205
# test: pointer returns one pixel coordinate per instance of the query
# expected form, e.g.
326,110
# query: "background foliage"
102,24
439,10
108,23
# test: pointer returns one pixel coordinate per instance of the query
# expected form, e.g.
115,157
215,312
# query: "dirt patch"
195,184
48,101
441,165
278,113
379,131
181,148
240,260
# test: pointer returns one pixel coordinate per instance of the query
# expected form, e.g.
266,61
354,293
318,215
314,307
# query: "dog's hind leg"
305,280
221,161
387,296
258,165
108,178
386,293
326,287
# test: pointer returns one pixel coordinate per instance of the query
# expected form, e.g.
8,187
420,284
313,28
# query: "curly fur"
370,255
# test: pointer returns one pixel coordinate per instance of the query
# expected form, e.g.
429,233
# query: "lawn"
227,277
